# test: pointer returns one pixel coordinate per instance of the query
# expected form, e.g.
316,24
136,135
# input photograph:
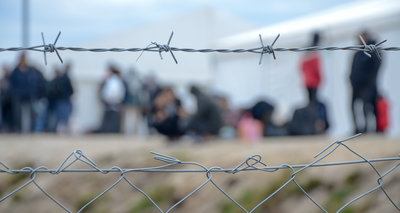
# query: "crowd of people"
30,103
126,96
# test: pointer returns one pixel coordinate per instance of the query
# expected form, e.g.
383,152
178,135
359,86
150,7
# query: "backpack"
303,121
382,106
114,90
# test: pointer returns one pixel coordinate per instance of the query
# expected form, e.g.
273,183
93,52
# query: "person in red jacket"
313,118
311,70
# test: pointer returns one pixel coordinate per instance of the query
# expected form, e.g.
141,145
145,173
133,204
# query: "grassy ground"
330,186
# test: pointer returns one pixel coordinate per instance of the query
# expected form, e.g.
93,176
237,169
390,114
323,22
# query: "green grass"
341,195
160,195
251,197
86,198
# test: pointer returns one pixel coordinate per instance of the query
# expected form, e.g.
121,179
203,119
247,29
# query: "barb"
371,48
161,48
155,47
251,163
50,48
267,49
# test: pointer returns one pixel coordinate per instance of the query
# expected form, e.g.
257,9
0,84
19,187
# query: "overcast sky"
80,20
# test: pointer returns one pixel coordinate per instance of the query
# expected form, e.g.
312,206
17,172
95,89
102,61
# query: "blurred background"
238,79
212,108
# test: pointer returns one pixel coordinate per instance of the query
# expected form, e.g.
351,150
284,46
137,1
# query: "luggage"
382,117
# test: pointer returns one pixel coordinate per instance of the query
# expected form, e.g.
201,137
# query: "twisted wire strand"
368,49
257,50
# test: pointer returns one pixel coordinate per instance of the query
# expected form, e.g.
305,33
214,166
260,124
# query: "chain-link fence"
173,165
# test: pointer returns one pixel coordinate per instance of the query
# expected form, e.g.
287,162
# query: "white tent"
197,29
240,76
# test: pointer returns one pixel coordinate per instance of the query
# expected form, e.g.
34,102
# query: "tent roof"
345,15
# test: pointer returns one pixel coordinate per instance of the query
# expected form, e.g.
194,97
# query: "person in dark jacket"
6,123
207,120
27,87
167,112
59,92
263,111
363,79
309,120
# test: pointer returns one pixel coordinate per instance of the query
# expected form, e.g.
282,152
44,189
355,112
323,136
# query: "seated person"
207,120
166,114
309,120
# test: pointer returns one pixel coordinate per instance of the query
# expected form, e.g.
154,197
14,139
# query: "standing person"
52,93
207,120
151,88
64,104
311,69
113,92
6,123
363,79
132,121
312,118
59,93
230,118
27,88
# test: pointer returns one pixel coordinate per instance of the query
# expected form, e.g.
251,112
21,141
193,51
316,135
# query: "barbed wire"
251,163
368,49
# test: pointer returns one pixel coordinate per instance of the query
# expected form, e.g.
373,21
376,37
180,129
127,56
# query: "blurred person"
249,129
59,92
133,108
64,103
150,90
6,110
52,92
151,86
113,91
27,88
230,118
311,69
207,120
363,80
167,113
263,111
309,120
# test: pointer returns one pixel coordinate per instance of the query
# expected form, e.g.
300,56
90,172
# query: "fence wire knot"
250,162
